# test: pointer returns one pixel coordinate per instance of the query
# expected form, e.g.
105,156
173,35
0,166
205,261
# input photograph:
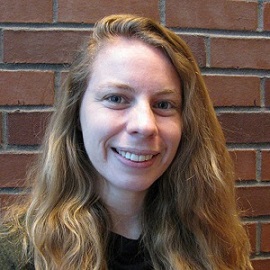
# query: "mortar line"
248,146
1,46
162,11
260,16
13,190
258,165
208,51
262,92
57,86
26,108
178,30
235,72
4,130
55,11
258,237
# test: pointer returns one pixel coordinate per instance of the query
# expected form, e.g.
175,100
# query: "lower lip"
136,164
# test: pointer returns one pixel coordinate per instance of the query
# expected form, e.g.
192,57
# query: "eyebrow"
118,86
168,91
131,89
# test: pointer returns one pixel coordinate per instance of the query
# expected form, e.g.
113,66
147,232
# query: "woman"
134,173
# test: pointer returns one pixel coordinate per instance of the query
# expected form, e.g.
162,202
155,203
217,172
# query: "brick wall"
230,39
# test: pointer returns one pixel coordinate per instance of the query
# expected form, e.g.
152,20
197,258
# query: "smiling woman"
134,173
137,122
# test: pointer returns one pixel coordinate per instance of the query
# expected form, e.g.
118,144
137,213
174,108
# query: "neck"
125,208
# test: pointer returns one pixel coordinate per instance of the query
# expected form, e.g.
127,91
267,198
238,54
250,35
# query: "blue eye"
115,99
164,105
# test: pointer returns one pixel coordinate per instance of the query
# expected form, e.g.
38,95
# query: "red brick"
240,15
251,231
267,93
197,45
26,88
266,165
27,128
13,169
254,200
266,16
245,164
41,46
35,11
240,53
234,91
8,200
246,127
261,263
89,11
265,237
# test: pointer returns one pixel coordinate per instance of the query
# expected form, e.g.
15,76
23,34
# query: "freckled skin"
132,104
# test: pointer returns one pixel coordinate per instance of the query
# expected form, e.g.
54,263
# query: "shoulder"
11,251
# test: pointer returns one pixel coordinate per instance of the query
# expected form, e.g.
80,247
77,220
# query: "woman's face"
130,115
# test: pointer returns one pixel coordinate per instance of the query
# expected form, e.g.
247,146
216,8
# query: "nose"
142,121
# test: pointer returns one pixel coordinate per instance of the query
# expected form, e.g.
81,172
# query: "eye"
167,107
115,99
164,105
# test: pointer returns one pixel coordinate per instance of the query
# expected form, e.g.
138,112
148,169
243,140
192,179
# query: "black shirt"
124,254
127,254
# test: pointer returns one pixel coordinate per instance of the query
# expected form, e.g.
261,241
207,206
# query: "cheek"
88,125
173,136
96,128
173,144
90,118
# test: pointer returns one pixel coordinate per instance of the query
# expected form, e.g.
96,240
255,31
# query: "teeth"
134,157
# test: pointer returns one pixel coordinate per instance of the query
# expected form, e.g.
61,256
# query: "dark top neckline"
127,254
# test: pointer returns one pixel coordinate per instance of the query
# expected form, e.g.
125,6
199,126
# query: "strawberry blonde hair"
190,219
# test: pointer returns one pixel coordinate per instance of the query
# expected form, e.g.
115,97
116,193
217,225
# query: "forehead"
132,64
118,48
132,56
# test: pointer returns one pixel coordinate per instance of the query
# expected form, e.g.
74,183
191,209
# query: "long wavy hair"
190,219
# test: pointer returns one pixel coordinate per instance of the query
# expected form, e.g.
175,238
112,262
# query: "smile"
134,157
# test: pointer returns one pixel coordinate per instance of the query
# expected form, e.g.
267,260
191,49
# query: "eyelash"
171,106
119,102
113,97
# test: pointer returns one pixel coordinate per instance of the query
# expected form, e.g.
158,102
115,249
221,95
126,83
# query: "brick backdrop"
230,39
